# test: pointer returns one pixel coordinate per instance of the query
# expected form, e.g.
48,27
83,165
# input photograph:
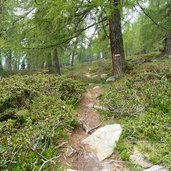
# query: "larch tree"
116,39
167,40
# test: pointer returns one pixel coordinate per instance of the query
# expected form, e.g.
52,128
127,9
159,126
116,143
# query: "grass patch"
141,102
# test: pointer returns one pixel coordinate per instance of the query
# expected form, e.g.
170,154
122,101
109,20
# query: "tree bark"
116,39
167,41
56,62
72,58
9,60
167,45
49,63
23,65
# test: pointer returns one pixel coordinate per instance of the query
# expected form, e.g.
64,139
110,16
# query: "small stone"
111,79
100,108
103,76
70,151
94,76
90,105
88,75
96,87
139,159
71,170
104,140
157,168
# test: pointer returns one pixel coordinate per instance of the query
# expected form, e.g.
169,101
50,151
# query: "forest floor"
139,101
144,116
81,157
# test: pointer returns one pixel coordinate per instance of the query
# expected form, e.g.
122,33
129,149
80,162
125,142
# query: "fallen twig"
40,155
92,129
46,161
61,145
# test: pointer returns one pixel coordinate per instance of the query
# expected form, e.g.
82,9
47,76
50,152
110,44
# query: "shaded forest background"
38,34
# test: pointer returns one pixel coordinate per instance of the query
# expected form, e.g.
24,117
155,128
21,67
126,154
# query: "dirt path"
78,156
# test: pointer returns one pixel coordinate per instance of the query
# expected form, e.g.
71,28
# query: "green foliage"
89,73
40,119
69,92
140,101
147,32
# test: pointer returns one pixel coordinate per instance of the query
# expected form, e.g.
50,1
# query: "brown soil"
84,158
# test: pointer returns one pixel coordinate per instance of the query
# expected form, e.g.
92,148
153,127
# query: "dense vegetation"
42,39
140,101
36,113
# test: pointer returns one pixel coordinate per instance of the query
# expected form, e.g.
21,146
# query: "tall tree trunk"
43,65
116,39
167,41
72,58
167,45
56,62
9,60
49,62
23,65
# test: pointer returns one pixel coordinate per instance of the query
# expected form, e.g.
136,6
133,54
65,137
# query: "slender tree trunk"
23,65
72,58
167,40
43,65
116,39
73,53
49,62
9,60
56,62
167,45
16,64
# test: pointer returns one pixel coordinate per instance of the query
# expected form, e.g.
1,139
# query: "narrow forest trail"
78,156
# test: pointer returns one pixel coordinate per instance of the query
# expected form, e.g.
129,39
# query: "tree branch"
67,39
155,22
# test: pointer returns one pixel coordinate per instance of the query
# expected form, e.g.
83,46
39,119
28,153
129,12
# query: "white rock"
156,168
111,79
94,76
100,108
88,75
139,159
71,170
90,105
96,87
104,140
103,76
70,151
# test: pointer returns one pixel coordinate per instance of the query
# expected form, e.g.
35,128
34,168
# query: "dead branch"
92,129
46,161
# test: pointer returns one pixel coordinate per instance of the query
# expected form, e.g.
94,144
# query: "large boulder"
104,140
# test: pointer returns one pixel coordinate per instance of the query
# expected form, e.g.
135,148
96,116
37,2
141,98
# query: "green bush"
141,102
37,118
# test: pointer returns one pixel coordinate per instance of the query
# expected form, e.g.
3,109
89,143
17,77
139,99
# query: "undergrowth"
141,102
36,113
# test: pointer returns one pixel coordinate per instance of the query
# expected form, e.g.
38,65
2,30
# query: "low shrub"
35,118
141,103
